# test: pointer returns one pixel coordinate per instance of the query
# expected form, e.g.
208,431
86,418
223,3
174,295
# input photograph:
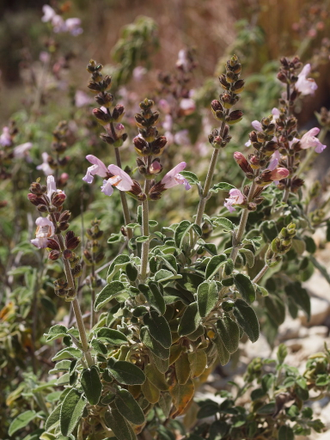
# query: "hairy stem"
75,303
237,237
127,217
260,274
145,232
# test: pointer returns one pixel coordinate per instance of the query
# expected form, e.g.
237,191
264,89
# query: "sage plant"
173,303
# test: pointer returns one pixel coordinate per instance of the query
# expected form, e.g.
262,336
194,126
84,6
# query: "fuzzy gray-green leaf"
91,383
207,297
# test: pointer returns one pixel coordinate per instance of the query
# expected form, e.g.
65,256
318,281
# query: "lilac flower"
183,61
304,85
235,198
274,160
187,106
51,187
173,177
45,230
5,138
22,150
139,72
120,179
45,167
72,25
98,168
276,114
49,13
257,126
309,140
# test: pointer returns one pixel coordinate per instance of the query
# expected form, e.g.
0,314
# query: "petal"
106,188
256,125
101,169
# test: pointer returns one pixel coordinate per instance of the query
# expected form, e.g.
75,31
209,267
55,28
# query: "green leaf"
118,424
53,418
190,320
153,296
245,287
310,245
67,353
282,352
249,256
21,421
221,186
163,275
127,373
154,346
227,225
109,292
285,433
321,268
91,383
229,333
207,297
55,332
115,238
214,265
191,177
111,336
269,408
159,328
275,309
128,407
223,353
131,272
118,263
35,435
180,232
299,296
71,411
247,319
142,239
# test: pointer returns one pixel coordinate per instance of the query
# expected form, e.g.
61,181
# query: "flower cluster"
71,25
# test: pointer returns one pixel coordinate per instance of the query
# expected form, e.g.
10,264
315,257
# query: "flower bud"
54,255
103,117
156,167
224,83
53,244
158,145
67,254
234,117
242,162
58,199
35,200
118,112
141,146
104,99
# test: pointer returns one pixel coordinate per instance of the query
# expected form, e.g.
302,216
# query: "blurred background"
258,31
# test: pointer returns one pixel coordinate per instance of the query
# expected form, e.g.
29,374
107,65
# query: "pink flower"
72,25
5,138
45,230
49,13
256,125
51,187
98,168
187,106
235,198
139,72
304,85
120,179
274,160
309,140
22,150
164,106
279,174
173,178
45,167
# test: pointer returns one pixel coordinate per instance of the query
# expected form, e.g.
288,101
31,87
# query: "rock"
318,286
320,309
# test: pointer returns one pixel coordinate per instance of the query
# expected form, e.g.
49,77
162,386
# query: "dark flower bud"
37,189
141,146
158,145
231,77
54,255
104,99
65,216
35,200
58,199
156,167
53,244
242,162
43,208
282,77
146,104
102,116
149,133
234,117
216,105
87,257
118,112
63,226
224,83
108,139
71,241
94,86
77,271
67,253
270,147
238,86
93,66
141,121
228,100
